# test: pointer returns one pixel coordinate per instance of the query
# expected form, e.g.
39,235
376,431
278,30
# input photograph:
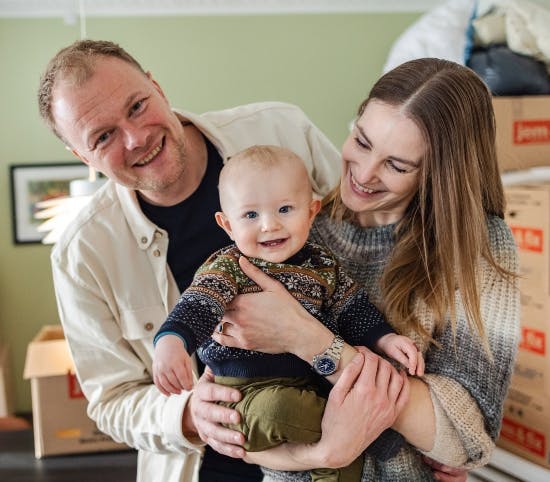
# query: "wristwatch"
326,363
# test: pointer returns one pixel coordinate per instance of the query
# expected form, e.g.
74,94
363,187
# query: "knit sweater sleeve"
202,305
359,321
467,386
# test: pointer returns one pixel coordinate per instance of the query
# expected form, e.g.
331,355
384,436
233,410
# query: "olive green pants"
278,410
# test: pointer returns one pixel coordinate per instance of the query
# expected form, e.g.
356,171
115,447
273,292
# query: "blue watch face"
325,366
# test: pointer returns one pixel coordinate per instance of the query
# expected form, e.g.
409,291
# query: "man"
120,267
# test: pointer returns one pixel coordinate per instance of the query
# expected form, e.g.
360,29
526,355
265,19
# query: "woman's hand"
444,473
370,390
207,416
271,321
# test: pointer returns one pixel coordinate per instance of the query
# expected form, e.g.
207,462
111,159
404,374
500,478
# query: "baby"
267,210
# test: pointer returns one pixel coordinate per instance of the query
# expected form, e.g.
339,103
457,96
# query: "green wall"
324,63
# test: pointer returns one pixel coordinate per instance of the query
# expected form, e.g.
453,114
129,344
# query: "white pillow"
443,32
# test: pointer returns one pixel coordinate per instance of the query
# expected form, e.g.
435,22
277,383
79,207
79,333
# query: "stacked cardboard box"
523,131
526,423
60,422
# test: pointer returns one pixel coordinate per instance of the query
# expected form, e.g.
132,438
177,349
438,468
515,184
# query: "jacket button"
143,240
158,234
149,326
156,253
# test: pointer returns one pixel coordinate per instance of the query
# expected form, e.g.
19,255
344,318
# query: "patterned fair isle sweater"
467,388
312,276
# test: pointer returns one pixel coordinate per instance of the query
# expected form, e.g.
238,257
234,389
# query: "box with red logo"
532,366
60,422
526,425
523,131
528,215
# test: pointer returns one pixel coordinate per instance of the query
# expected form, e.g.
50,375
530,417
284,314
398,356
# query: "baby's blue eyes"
254,214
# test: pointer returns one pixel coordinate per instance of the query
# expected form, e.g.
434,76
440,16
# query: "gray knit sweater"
467,389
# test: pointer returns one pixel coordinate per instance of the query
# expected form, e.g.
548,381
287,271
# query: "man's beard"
157,185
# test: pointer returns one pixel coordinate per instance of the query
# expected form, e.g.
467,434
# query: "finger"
384,373
421,365
212,392
168,384
264,281
214,414
404,392
347,379
184,377
158,384
406,356
445,477
207,375
231,450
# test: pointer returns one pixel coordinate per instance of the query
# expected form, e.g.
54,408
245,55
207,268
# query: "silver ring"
219,328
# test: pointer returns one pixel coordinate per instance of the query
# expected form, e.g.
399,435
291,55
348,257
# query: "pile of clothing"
507,42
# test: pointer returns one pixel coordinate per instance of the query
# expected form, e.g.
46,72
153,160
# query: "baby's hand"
403,350
172,365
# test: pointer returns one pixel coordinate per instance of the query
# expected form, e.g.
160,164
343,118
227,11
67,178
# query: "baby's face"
268,213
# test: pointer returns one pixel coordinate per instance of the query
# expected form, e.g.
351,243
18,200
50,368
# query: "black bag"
508,73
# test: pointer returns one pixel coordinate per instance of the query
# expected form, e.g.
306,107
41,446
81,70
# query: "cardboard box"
6,385
532,365
60,422
528,215
526,426
523,131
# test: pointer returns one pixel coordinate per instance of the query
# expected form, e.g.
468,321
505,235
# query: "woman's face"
381,164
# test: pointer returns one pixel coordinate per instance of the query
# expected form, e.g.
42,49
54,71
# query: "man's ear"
77,155
156,85
224,223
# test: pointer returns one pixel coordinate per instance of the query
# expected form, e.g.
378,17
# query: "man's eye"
137,106
285,209
103,138
251,215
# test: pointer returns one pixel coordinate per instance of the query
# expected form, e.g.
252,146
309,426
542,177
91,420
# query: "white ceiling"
69,8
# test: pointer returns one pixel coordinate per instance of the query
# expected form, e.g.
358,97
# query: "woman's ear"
224,223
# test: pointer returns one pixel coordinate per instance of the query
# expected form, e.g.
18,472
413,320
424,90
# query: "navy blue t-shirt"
194,235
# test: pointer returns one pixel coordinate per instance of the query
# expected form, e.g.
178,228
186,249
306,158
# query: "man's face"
120,123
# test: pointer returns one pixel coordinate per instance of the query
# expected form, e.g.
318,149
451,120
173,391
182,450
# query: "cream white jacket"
114,289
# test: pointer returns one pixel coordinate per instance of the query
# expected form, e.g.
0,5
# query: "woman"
418,220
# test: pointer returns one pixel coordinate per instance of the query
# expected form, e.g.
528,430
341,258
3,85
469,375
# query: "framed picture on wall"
32,183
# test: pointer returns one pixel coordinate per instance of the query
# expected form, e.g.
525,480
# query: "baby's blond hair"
264,158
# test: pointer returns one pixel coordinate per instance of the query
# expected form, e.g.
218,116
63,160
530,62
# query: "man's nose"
135,136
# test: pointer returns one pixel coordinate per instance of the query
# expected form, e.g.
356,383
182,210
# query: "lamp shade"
58,213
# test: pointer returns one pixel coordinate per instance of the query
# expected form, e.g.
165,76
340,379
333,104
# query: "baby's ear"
314,208
224,223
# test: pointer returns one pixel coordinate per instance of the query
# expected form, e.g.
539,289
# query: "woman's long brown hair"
443,236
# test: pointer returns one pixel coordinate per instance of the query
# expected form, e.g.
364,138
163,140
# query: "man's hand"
207,416
444,473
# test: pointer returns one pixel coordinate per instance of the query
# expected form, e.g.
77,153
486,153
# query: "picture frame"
31,183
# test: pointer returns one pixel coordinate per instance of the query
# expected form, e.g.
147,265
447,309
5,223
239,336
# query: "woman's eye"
396,168
362,144
251,215
285,209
